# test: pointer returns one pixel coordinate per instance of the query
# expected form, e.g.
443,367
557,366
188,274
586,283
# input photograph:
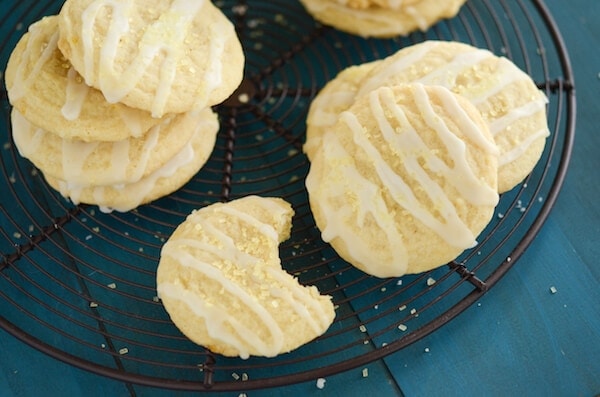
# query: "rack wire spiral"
79,284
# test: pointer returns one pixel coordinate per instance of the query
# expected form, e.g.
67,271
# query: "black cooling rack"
79,285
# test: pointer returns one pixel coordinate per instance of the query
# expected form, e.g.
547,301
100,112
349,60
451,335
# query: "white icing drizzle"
136,192
214,72
324,104
131,121
368,200
418,17
299,298
452,229
228,252
519,150
506,73
446,75
396,67
74,156
461,177
164,36
22,83
121,158
244,334
28,138
527,110
76,93
262,227
468,126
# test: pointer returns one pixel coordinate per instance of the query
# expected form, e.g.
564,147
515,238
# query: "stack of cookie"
410,153
111,101
381,18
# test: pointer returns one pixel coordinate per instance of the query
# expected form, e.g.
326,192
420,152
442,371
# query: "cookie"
381,18
507,97
171,176
45,88
157,55
405,181
105,163
220,280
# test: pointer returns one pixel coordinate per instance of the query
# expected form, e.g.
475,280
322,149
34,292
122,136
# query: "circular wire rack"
79,284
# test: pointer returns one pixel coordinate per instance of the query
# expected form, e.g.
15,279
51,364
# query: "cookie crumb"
553,290
123,351
112,286
402,327
430,281
321,383
365,372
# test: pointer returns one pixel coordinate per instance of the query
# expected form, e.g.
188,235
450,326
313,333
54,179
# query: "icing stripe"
22,84
76,93
527,110
368,200
162,37
519,150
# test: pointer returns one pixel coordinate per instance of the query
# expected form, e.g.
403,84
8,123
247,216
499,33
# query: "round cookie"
171,176
405,181
334,98
381,18
161,56
508,99
45,88
221,282
105,163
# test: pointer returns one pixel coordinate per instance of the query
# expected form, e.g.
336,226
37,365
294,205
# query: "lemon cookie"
507,97
168,178
405,181
221,281
381,18
104,163
162,56
46,89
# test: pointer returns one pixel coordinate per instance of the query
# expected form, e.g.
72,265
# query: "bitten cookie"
45,88
168,178
161,56
106,163
220,279
381,18
508,99
405,181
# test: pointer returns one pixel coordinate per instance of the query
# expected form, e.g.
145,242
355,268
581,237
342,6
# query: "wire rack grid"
79,284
